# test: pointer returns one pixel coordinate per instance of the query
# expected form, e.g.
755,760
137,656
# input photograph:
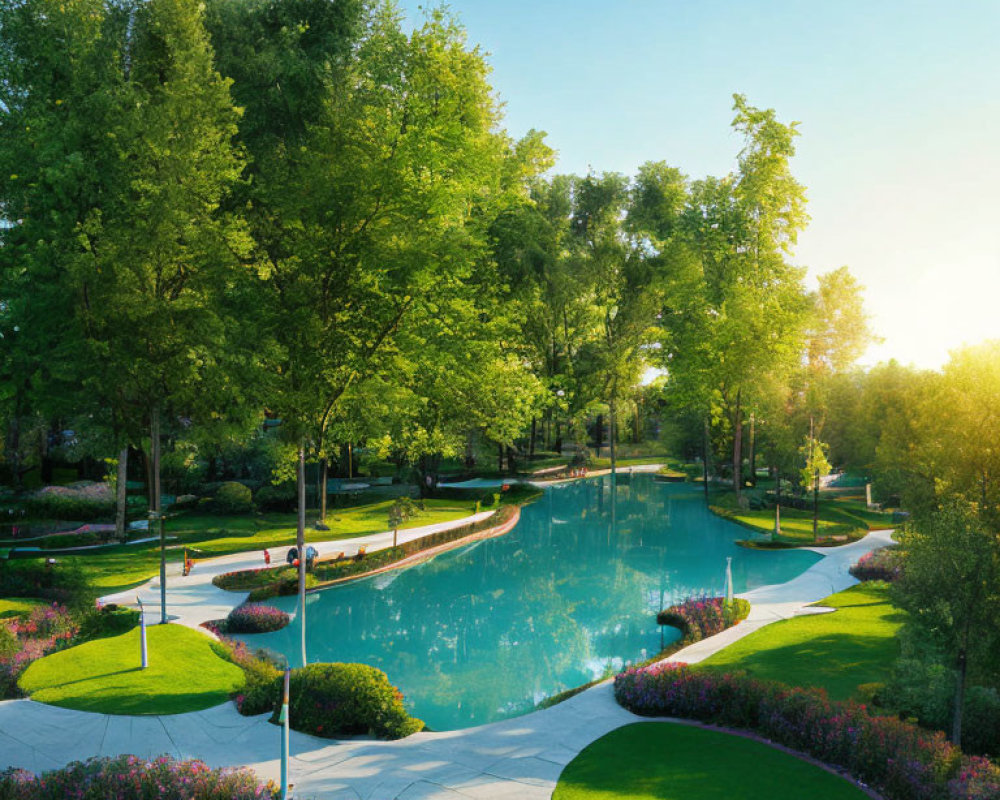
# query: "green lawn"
663,761
836,518
116,569
103,675
838,651
19,606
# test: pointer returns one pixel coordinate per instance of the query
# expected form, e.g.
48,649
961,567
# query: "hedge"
898,759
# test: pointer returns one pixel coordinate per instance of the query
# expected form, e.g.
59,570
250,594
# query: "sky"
898,106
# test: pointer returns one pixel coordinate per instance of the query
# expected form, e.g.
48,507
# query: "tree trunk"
599,434
707,450
956,725
470,454
121,487
558,443
499,458
13,448
300,542
154,446
637,423
738,446
45,466
350,461
534,431
322,488
612,436
753,452
812,458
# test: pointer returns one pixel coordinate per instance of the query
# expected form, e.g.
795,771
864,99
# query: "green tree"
745,330
950,587
816,466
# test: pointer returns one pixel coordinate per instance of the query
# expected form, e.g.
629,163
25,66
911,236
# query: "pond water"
486,631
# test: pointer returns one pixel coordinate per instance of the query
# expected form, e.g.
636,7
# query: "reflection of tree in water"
488,630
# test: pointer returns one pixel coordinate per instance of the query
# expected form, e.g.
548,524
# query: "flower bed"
255,618
45,630
699,618
258,695
897,758
879,565
133,778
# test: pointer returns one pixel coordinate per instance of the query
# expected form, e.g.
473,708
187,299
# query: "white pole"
142,634
283,719
729,580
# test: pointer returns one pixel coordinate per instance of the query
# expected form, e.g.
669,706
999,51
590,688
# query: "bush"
233,498
879,565
255,618
926,692
109,620
133,778
60,583
276,498
345,699
55,506
899,759
698,619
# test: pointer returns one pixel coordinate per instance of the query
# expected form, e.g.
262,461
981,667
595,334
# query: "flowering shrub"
45,630
133,778
255,618
879,565
344,699
258,694
899,759
700,618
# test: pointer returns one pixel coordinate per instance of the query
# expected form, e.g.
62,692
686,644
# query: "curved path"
516,758
194,599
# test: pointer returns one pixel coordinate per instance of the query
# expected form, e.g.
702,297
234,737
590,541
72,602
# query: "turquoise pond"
486,631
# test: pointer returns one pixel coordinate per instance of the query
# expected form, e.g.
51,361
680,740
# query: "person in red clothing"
267,557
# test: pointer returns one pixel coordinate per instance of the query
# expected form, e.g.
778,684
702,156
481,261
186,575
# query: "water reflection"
485,632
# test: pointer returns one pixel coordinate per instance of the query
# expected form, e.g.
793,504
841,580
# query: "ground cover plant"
104,675
133,778
899,759
854,645
667,761
18,606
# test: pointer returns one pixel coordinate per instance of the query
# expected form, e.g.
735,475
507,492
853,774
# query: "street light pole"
142,633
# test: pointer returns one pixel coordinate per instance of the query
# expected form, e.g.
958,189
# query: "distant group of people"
578,472
292,556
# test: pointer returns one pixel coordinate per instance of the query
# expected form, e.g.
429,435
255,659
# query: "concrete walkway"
194,599
516,758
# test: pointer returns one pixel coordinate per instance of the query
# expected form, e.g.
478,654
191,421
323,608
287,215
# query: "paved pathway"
516,758
193,599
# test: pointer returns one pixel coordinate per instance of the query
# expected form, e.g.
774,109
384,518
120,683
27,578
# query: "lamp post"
729,581
142,633
283,719
156,517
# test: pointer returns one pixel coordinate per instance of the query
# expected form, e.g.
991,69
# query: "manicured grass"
836,518
664,761
103,675
19,606
838,651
